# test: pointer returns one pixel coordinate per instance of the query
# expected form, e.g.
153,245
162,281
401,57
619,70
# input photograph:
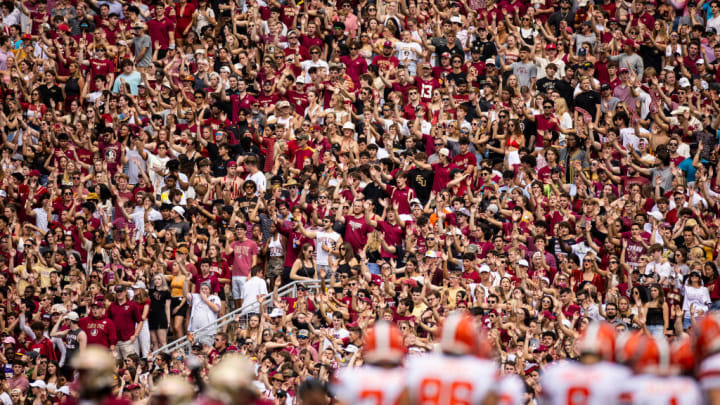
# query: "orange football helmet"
682,356
599,339
384,343
460,335
643,353
707,339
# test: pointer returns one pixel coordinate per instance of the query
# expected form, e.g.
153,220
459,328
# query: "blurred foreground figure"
655,380
95,378
173,390
381,380
595,380
231,383
460,374
707,352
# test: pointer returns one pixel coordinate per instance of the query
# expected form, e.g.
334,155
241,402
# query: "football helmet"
599,339
384,342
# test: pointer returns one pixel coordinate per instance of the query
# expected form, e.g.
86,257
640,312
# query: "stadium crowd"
540,166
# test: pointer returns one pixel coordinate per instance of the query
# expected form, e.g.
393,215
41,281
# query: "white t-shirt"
260,181
323,238
662,269
201,315
253,287
408,53
156,162
700,297
307,64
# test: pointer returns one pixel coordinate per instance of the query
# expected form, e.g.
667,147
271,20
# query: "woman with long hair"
178,292
142,300
656,312
52,373
304,267
697,298
514,142
159,319
347,259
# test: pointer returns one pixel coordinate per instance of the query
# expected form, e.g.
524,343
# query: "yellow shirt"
39,270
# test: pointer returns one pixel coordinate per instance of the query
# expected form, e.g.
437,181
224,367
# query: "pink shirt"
243,253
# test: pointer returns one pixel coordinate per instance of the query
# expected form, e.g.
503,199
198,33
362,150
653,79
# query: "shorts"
125,348
175,303
373,268
513,158
238,282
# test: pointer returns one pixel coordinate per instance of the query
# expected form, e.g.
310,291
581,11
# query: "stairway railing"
240,314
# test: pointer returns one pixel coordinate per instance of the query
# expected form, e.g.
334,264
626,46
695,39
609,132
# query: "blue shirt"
687,166
133,79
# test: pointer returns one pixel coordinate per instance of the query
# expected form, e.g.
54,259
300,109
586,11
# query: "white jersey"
571,383
328,239
709,374
369,385
651,390
511,390
438,379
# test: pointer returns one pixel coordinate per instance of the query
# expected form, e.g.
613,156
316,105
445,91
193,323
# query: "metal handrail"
183,343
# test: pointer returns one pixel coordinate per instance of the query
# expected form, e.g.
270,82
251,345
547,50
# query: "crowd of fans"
540,165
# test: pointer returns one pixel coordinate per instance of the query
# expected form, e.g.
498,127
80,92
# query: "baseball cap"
523,262
551,46
388,44
38,384
303,333
629,42
490,61
72,315
63,27
444,152
179,210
